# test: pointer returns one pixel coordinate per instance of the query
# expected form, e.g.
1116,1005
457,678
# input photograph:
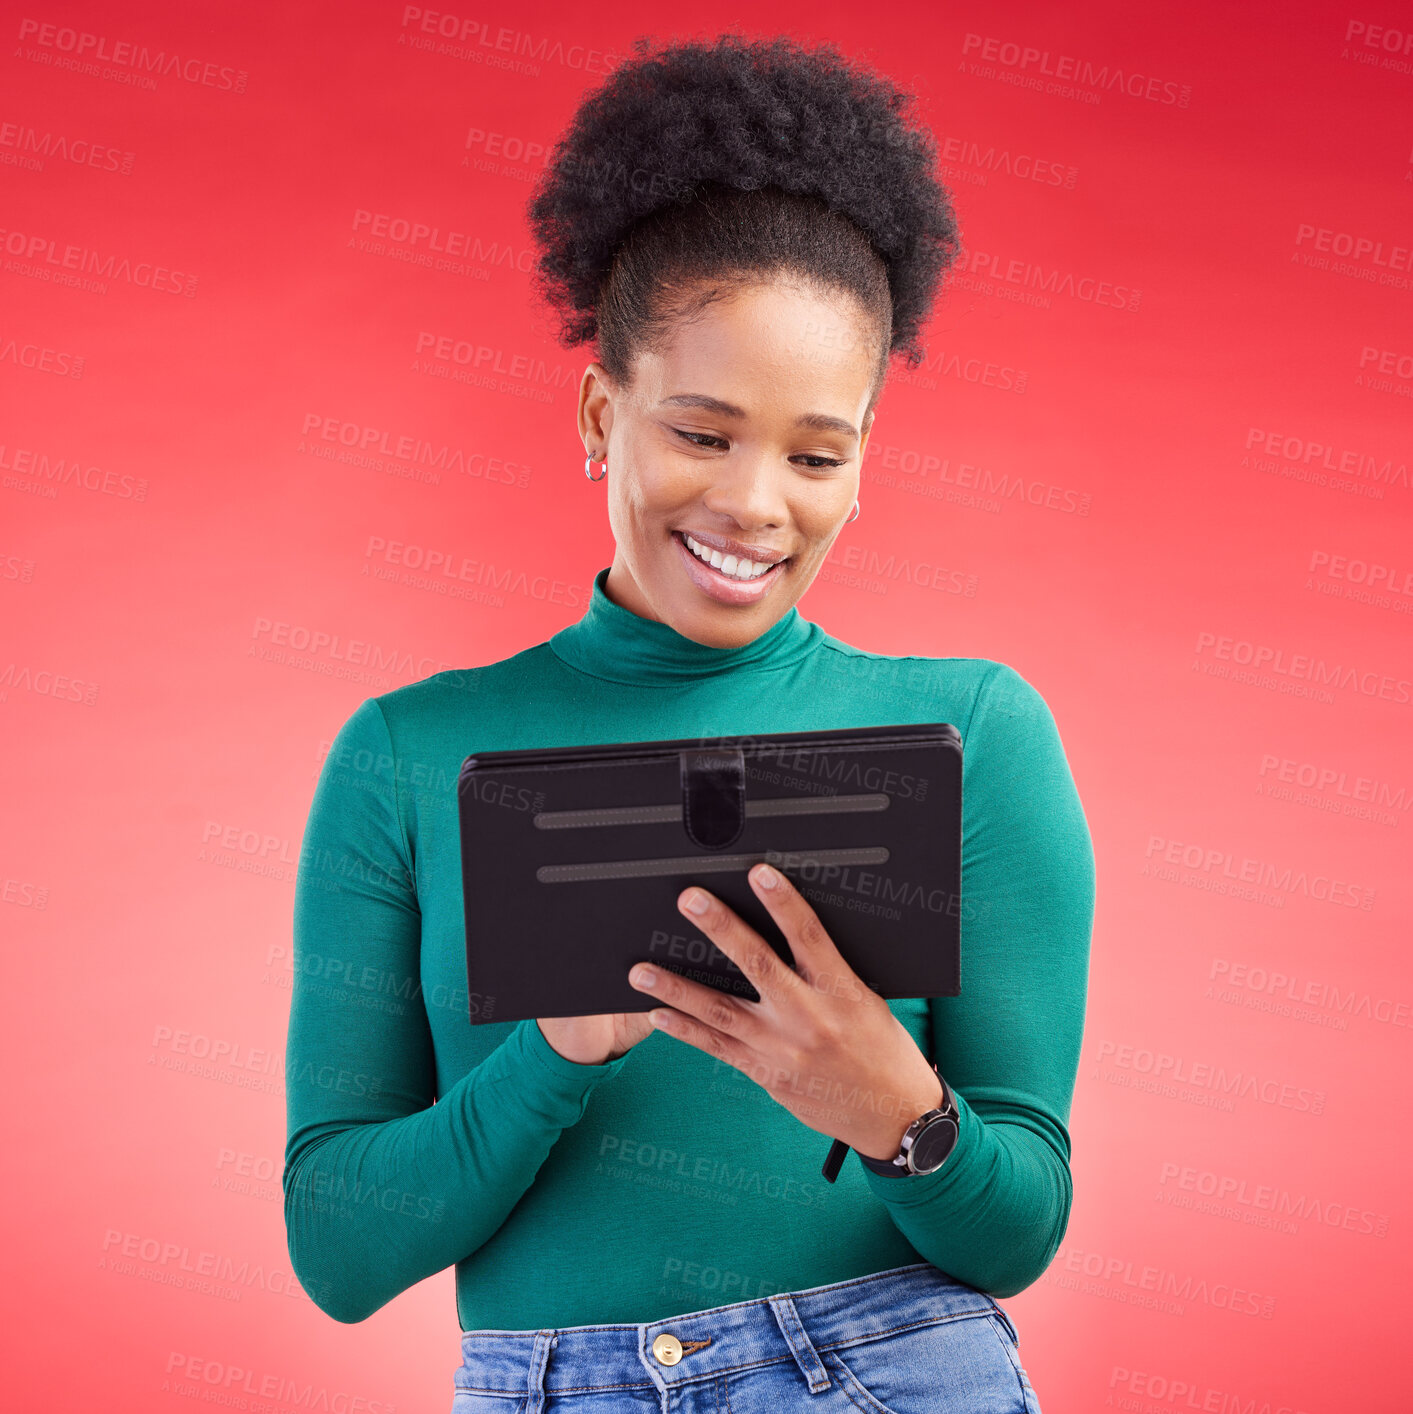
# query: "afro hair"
699,164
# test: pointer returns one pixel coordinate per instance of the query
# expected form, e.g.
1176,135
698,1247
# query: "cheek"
630,503
640,516
648,489
820,530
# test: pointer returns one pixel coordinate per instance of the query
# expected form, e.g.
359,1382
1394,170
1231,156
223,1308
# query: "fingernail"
766,877
643,977
696,902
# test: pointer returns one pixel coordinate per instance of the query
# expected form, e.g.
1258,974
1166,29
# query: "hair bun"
667,125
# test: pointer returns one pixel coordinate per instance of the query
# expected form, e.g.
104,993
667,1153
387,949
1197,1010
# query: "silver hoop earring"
588,462
855,515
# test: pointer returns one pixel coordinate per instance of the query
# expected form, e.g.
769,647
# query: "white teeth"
729,565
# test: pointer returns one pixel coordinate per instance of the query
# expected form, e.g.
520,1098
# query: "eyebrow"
815,421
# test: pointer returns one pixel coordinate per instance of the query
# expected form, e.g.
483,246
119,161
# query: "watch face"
933,1145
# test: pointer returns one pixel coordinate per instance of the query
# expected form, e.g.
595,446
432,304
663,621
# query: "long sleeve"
996,1211
385,1183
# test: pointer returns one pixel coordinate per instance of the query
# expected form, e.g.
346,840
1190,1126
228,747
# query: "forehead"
766,346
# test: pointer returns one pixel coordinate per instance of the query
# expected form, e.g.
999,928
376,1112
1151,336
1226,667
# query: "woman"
749,231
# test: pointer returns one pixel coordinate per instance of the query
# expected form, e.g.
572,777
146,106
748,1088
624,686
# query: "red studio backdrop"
282,427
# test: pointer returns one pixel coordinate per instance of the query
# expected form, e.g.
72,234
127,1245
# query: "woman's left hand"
818,1041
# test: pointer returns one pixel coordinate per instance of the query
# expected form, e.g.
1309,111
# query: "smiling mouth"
739,571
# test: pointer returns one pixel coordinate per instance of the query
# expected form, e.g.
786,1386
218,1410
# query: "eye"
697,439
706,439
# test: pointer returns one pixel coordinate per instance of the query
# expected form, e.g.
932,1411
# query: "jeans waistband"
795,1325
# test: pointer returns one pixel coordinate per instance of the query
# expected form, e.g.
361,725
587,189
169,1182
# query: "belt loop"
539,1358
801,1346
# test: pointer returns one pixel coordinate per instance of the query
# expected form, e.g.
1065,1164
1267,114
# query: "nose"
749,491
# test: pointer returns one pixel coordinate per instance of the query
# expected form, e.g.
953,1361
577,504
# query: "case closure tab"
714,796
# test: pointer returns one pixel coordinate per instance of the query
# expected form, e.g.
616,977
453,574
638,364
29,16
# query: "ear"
596,391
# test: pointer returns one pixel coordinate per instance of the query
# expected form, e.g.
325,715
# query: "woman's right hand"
593,1040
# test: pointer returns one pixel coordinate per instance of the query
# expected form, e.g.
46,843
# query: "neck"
614,643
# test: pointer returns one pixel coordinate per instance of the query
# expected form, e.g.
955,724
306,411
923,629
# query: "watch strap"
889,1168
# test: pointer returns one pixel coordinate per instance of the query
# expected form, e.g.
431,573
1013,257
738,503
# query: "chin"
723,627
734,635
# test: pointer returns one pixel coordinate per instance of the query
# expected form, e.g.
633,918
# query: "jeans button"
667,1349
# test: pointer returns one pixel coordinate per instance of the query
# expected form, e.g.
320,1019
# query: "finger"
740,942
706,1038
731,1016
817,959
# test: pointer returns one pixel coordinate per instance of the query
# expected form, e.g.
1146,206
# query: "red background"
1207,421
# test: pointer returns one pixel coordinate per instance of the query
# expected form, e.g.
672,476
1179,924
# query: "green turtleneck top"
662,1181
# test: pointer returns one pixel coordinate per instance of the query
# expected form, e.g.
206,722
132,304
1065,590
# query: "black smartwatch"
926,1143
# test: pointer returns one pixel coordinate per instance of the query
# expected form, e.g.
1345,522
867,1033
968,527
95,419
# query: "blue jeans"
903,1341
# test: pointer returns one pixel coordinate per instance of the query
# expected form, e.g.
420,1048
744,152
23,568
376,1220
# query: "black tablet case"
573,858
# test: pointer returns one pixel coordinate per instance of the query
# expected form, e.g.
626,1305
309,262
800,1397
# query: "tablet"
573,858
